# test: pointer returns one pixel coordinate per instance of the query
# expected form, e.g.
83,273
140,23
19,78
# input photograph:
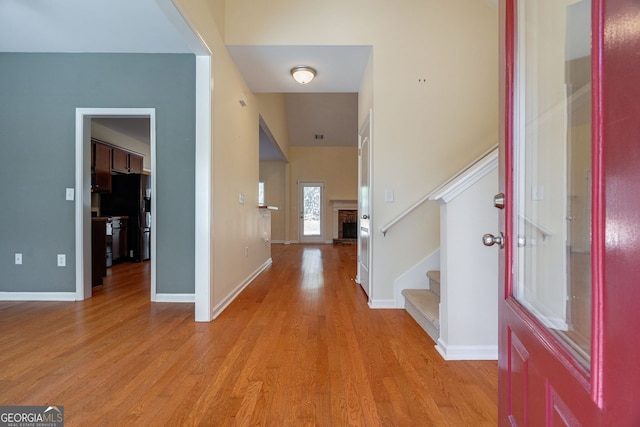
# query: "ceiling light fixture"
303,74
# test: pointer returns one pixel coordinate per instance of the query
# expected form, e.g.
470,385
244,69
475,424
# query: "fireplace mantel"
339,205
344,204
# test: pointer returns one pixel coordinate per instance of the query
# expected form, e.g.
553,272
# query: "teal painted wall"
38,97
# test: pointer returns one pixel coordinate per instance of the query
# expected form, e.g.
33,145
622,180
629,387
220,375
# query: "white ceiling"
268,68
142,26
87,26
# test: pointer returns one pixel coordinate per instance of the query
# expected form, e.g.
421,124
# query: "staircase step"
434,281
424,306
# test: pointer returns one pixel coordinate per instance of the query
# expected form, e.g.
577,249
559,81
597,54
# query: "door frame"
367,127
323,212
83,193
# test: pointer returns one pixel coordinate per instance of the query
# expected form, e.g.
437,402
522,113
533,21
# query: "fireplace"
347,224
345,221
349,230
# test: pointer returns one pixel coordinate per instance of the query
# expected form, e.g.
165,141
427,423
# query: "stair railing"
433,193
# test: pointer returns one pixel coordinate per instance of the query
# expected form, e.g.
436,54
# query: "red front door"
570,172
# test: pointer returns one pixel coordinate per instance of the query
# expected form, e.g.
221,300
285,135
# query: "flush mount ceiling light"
303,74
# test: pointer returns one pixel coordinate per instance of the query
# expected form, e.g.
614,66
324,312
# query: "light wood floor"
298,347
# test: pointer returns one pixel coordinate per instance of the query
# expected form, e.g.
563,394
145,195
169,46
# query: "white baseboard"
291,242
382,303
229,298
175,298
466,352
38,296
278,242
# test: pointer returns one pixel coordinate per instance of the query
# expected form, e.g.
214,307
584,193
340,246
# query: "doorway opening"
83,214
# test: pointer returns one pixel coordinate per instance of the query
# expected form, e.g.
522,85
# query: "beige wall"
273,110
336,166
423,131
432,83
237,228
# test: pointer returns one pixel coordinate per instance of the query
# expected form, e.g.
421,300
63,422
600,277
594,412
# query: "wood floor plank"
299,346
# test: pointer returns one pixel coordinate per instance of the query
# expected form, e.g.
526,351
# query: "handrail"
539,228
433,192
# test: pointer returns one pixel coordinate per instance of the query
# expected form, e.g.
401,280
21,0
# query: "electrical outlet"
18,258
70,194
62,260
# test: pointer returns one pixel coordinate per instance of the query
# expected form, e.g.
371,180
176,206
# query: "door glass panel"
311,210
552,188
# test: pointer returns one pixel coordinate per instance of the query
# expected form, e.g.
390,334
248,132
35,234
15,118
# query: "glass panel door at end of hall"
311,202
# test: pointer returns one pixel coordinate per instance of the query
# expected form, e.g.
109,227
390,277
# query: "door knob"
490,240
498,200
365,216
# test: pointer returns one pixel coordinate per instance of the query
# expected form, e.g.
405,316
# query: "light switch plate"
70,194
388,196
62,260
241,198
18,258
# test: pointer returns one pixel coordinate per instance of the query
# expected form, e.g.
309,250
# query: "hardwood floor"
298,347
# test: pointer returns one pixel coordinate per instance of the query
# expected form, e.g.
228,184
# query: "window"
261,193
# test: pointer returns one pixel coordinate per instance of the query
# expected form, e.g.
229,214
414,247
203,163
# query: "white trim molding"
465,179
176,298
466,352
382,303
37,296
83,191
204,188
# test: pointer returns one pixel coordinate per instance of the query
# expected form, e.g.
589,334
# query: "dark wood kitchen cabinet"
135,163
101,164
126,162
120,161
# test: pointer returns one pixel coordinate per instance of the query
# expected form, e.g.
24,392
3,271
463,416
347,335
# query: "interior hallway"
298,347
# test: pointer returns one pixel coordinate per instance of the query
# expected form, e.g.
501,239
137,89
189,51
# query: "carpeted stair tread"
424,306
434,281
434,275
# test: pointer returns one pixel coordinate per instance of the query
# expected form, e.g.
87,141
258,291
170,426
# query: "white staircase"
459,310
424,305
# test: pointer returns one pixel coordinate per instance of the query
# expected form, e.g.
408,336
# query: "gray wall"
38,97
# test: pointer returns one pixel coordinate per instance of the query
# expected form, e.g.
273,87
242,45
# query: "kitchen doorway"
84,117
